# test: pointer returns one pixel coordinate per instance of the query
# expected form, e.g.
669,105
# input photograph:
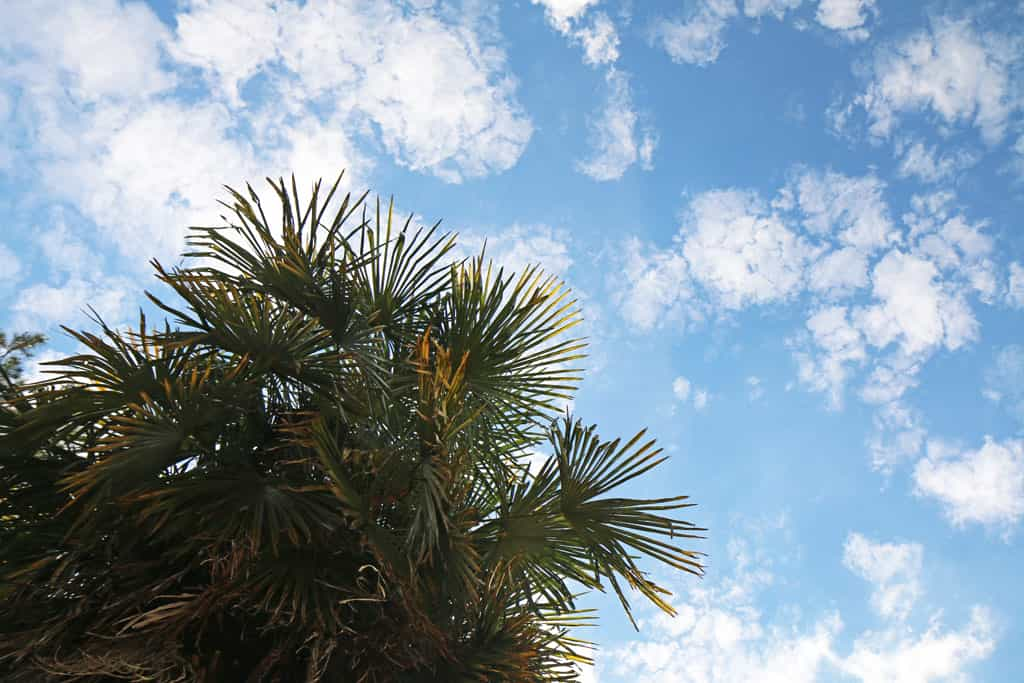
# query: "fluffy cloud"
777,8
616,140
881,295
983,486
561,12
914,309
42,306
935,655
654,287
447,105
615,136
125,133
684,390
721,634
10,265
1015,286
898,434
837,346
700,399
1004,380
599,39
847,213
128,196
953,70
741,251
519,246
893,568
697,39
681,388
928,165
755,388
102,48
848,17
839,272
848,209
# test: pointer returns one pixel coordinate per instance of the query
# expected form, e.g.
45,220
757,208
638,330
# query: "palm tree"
317,471
13,354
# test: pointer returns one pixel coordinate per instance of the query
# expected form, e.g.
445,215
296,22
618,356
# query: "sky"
793,226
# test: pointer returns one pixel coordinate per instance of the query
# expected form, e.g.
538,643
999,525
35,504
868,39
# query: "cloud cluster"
133,123
848,17
617,137
881,296
720,633
892,568
684,391
959,74
983,486
1004,380
699,37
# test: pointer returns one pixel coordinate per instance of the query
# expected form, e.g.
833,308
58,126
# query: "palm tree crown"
318,471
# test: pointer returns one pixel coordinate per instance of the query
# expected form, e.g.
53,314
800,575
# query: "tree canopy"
317,470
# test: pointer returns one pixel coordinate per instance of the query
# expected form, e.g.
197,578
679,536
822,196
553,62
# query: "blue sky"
794,226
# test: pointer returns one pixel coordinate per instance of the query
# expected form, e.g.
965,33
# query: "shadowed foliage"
316,470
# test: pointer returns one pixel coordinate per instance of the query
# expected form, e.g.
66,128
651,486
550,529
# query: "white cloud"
841,347
42,306
847,212
684,391
929,165
1016,164
445,105
10,265
755,389
655,287
722,635
777,8
519,246
697,40
961,75
849,208
891,377
561,12
1015,286
839,272
228,40
600,40
898,436
102,48
65,252
893,568
741,251
614,136
914,309
935,655
144,207
700,399
1004,380
830,235
848,17
439,96
984,486
115,140
681,388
